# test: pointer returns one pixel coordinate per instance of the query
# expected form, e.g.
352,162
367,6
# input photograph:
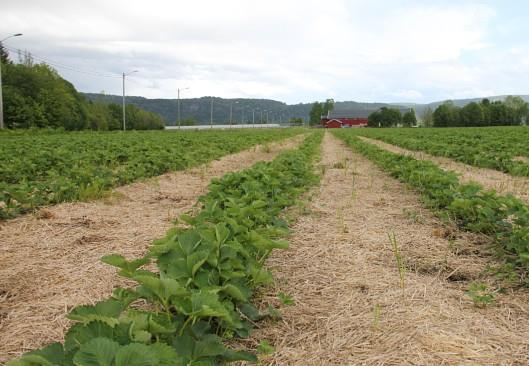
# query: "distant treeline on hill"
199,109
36,96
513,111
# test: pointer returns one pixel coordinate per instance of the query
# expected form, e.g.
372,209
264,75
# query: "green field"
201,293
41,168
502,148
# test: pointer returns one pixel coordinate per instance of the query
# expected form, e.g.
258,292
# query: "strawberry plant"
206,275
504,218
500,148
41,168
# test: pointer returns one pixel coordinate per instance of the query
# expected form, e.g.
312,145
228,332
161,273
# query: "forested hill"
199,109
36,96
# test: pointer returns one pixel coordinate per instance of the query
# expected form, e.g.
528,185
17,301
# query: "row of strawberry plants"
39,168
491,147
470,206
206,275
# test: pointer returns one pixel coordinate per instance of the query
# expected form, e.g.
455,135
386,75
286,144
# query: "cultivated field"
40,168
389,255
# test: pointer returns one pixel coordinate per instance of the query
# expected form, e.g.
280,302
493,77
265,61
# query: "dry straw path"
491,179
52,263
349,306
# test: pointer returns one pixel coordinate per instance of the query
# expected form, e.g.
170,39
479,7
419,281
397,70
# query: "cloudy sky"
289,50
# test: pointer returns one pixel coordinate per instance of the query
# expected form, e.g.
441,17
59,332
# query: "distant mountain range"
419,108
245,110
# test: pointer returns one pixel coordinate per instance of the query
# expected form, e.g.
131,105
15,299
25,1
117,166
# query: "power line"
64,66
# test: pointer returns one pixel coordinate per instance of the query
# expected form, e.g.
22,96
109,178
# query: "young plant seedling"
480,294
285,299
265,348
398,257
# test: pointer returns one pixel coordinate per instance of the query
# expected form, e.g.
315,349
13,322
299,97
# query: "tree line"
320,109
36,96
512,111
391,117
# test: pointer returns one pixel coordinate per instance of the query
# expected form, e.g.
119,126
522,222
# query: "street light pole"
1,97
124,110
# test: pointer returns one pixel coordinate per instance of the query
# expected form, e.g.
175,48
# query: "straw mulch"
491,179
50,261
350,308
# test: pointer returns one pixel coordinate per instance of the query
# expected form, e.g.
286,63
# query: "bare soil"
50,261
488,178
350,307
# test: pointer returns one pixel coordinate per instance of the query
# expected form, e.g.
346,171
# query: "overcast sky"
289,50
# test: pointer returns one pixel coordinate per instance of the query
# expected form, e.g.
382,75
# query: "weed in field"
265,348
480,294
285,299
413,215
398,257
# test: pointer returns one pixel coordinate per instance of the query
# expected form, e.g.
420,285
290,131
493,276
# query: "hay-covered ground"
351,307
50,261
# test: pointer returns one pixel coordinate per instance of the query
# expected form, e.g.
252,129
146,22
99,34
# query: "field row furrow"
498,181
201,276
352,303
500,148
468,205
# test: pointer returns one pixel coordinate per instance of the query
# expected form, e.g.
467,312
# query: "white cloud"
291,50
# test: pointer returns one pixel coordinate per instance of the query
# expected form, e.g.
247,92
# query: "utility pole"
253,117
231,112
242,118
211,114
124,111
124,114
1,97
178,108
261,121
178,105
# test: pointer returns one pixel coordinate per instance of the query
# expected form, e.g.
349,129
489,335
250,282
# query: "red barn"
343,122
344,118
